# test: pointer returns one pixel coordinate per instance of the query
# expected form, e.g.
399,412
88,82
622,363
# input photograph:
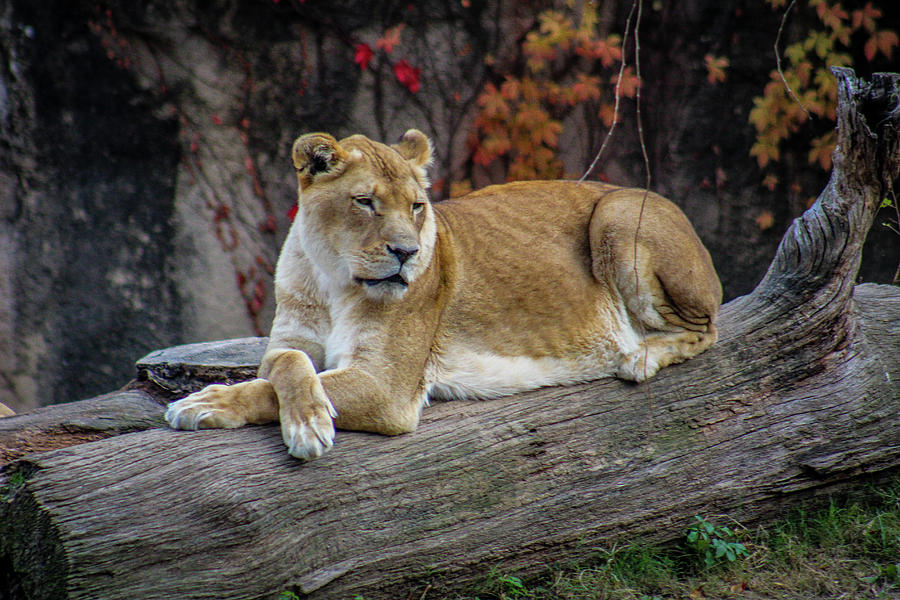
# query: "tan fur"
384,299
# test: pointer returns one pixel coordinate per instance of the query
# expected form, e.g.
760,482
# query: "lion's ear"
316,154
415,147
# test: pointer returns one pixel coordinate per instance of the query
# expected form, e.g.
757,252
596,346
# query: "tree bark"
799,395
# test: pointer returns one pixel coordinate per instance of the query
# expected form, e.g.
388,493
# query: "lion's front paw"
210,408
307,424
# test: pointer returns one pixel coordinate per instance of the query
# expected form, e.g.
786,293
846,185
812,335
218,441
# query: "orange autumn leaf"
510,88
607,51
586,88
866,17
833,16
627,84
520,120
764,152
883,41
608,114
715,68
821,149
765,220
493,105
390,39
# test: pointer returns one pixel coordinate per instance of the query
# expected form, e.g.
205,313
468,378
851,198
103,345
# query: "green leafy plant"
513,587
893,225
12,484
505,587
714,543
846,548
888,573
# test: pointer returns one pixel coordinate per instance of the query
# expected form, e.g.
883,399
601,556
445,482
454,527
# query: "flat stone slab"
184,369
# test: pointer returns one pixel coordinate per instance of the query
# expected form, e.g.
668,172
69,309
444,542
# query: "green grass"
849,549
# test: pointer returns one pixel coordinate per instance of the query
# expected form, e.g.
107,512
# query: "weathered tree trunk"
799,395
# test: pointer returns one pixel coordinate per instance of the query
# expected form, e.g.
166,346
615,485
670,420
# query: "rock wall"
88,172
145,178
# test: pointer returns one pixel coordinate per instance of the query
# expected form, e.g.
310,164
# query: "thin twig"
647,176
791,93
618,97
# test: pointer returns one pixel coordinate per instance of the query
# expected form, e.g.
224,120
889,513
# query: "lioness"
384,299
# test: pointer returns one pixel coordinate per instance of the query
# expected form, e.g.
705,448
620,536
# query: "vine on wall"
253,269
801,97
568,64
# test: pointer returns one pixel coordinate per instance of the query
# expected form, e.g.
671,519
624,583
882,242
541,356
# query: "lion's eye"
364,201
417,207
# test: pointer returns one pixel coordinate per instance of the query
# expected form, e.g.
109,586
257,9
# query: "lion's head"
364,217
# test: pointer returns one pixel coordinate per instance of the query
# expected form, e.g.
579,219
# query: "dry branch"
800,395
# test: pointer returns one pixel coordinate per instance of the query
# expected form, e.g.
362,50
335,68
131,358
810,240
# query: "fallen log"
799,395
62,425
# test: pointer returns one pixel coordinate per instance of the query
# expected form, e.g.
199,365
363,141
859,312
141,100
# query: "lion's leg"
304,410
662,276
363,404
310,405
225,406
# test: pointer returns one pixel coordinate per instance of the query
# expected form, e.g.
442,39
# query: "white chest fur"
343,338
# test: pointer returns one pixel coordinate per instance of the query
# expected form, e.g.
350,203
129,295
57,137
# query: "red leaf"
407,75
221,213
292,213
268,225
363,56
216,120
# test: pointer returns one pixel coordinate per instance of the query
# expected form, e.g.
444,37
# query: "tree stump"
799,395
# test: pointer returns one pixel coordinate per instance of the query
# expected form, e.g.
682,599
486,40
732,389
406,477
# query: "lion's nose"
403,253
